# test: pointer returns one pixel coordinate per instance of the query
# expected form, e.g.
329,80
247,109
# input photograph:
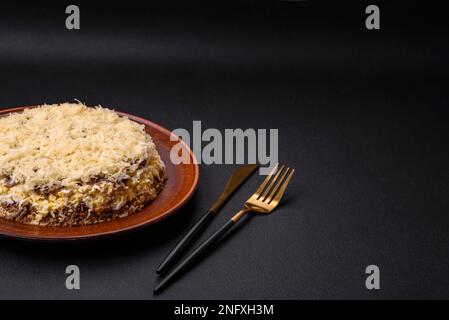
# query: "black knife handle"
185,241
203,247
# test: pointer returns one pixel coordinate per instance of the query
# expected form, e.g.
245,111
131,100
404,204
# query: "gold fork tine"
279,182
265,182
272,183
278,196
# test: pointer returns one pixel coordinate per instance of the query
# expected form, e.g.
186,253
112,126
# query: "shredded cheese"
70,143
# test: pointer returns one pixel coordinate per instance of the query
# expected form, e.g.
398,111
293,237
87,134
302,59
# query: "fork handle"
203,247
185,241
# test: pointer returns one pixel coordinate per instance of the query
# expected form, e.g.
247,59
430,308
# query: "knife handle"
185,241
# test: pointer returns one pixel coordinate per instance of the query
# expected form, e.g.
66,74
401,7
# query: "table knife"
236,180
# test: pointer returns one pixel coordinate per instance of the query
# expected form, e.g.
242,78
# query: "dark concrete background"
362,115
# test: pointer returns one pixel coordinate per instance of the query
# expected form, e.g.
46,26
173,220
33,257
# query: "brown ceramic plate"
180,186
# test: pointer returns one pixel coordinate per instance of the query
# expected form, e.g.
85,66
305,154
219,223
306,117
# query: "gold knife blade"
235,181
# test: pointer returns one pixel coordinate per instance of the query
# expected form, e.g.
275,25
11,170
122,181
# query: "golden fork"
263,201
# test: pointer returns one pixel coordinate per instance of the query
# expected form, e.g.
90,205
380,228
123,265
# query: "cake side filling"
87,204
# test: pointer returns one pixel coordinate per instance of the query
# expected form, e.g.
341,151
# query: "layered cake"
69,165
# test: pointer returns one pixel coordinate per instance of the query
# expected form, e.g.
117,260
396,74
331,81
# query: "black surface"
362,117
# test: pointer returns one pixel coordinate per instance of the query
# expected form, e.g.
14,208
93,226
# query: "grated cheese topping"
70,143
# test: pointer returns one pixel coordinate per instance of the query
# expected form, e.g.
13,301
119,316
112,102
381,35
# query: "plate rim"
127,229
